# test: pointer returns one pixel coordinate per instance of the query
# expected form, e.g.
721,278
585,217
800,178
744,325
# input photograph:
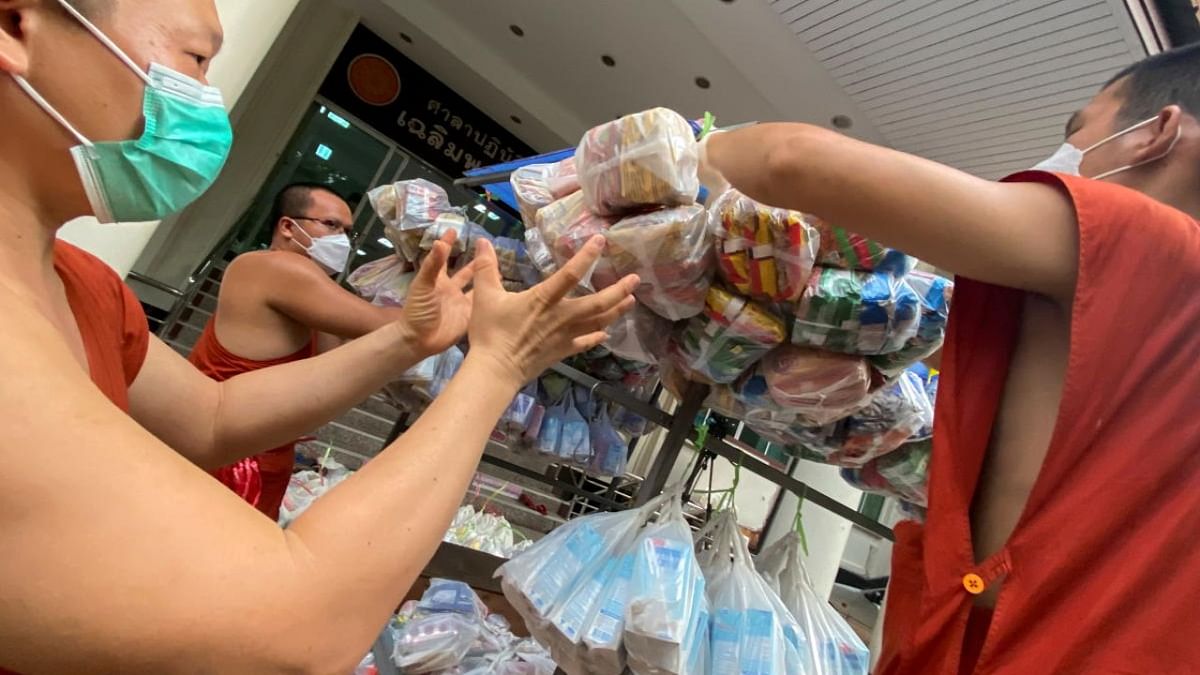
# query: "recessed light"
608,60
703,82
383,241
842,121
406,37
728,2
515,119
517,30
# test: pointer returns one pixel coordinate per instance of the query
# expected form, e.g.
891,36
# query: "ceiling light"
703,82
842,121
515,119
608,60
361,252
517,30
406,37
385,243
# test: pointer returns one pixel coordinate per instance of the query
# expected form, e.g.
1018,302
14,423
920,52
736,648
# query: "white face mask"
331,252
1068,158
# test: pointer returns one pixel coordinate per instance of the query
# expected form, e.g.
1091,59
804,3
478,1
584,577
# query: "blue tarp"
502,191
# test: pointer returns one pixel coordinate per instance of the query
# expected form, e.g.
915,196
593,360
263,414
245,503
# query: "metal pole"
677,433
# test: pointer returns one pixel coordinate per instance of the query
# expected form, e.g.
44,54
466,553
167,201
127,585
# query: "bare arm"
1013,234
298,289
214,424
134,561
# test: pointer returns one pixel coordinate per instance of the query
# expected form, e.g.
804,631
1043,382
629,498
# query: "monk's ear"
19,21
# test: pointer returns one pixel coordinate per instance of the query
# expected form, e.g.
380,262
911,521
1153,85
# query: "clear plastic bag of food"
566,226
892,417
384,281
935,294
435,642
726,339
667,600
764,252
536,186
670,250
846,250
818,387
641,160
468,233
747,623
406,209
639,335
903,474
865,313
833,646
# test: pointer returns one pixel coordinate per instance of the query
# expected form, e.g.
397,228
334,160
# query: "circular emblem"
374,80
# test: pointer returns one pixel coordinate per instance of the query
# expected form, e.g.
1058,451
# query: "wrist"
404,348
499,367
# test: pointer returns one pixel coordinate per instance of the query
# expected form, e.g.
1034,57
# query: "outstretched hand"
523,334
438,308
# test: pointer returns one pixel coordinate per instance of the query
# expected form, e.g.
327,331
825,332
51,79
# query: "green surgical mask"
184,145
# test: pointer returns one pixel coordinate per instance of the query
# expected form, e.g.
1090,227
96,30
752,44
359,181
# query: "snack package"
903,474
574,443
818,387
642,160
464,245
670,251
539,252
724,341
894,415
435,642
667,599
935,294
764,252
831,647
610,452
747,623
536,186
639,335
865,313
848,251
383,282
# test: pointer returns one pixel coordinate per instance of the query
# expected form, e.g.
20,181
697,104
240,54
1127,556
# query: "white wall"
250,29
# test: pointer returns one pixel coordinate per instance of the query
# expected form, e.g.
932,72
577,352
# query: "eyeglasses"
330,224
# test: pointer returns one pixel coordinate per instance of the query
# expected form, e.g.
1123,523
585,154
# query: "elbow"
785,176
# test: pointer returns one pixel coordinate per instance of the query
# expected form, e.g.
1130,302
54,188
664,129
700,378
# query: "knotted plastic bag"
849,251
726,339
641,160
935,294
864,313
536,186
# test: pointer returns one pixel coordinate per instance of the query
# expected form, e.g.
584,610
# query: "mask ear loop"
1169,150
51,111
105,40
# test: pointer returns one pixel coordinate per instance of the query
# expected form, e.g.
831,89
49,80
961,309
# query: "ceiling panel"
982,85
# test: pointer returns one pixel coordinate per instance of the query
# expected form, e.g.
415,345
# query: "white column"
250,30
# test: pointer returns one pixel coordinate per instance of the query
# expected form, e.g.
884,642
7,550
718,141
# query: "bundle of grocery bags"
638,590
810,333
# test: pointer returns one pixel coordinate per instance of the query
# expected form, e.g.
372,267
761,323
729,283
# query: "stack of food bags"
830,646
613,590
638,188
407,209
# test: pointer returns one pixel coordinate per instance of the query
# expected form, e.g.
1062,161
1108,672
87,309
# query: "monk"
281,305
120,554
1063,506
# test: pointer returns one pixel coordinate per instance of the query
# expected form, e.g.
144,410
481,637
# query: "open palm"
438,309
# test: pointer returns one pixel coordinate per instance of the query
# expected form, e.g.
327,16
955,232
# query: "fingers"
598,303
590,341
487,267
450,237
434,263
566,279
602,320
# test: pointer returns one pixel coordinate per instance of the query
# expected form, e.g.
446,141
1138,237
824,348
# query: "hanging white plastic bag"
834,647
667,603
574,443
747,629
